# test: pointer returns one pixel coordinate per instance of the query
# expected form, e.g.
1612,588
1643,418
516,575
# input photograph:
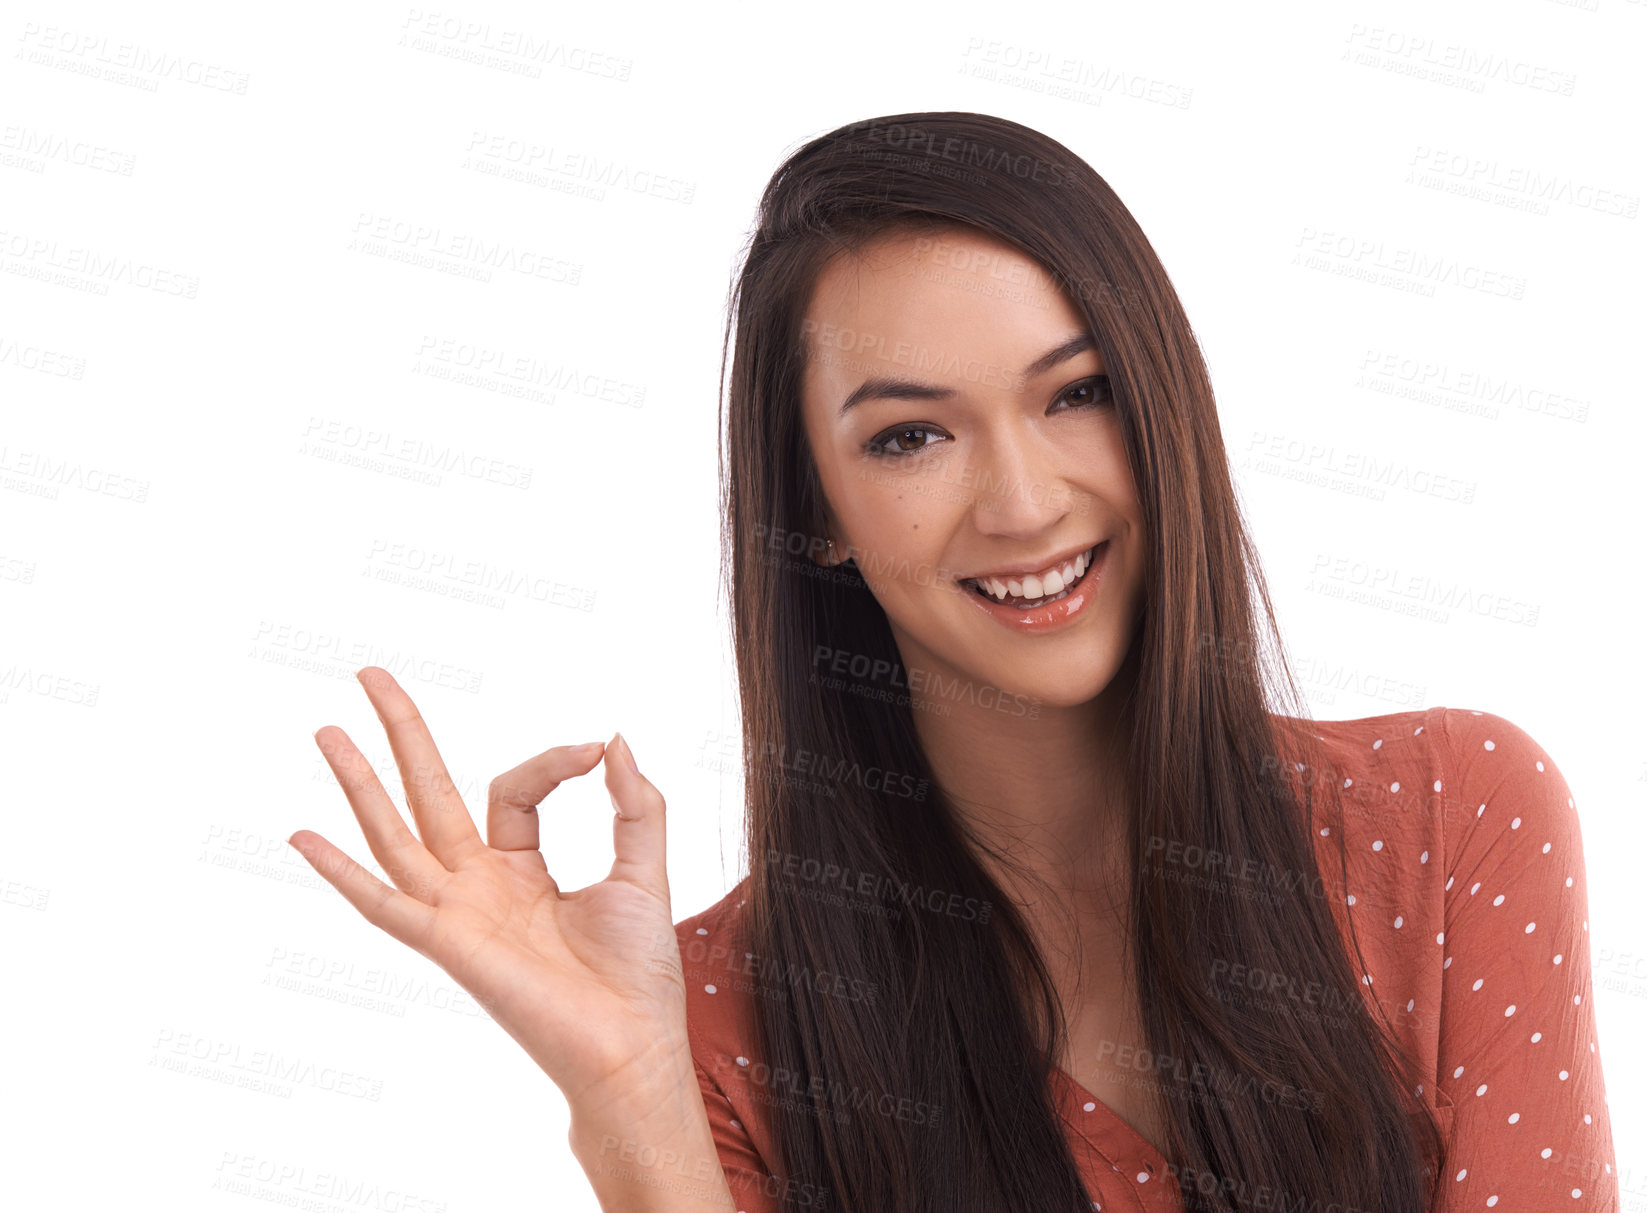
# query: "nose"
1019,489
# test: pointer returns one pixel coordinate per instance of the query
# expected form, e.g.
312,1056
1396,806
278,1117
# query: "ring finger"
405,860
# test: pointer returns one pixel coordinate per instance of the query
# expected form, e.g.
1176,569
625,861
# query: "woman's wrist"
661,1078
647,1145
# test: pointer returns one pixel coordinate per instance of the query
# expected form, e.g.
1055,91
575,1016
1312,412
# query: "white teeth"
1033,586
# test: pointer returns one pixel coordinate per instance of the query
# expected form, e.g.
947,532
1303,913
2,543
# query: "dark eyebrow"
886,388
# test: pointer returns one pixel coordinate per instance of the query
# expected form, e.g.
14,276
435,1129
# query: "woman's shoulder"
721,915
1446,817
1431,806
717,965
1382,774
722,980
1507,797
1470,777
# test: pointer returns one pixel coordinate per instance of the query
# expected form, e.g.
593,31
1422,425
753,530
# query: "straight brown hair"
964,1022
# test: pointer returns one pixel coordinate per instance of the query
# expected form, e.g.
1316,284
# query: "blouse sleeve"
1517,1058
754,1188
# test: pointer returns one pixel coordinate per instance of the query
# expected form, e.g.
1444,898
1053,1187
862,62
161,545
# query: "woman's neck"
1053,793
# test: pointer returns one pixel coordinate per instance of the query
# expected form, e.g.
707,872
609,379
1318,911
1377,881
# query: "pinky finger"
390,910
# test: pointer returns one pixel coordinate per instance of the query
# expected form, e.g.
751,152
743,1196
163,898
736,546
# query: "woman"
1048,909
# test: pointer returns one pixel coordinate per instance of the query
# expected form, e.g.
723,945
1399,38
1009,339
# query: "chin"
1059,685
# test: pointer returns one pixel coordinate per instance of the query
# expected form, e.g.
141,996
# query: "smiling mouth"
1034,590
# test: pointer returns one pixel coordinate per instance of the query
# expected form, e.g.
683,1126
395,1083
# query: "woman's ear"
825,549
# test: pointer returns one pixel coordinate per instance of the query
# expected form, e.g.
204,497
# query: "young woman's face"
986,443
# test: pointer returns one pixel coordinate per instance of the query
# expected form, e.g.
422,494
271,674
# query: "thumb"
638,827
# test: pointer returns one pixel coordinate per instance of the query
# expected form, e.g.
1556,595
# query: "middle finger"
443,822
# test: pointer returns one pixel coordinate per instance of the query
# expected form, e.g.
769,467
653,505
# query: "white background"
199,544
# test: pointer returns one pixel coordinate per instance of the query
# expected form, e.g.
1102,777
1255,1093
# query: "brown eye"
901,441
1088,393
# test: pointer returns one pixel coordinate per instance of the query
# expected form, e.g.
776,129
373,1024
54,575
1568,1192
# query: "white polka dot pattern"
1466,894
1528,1107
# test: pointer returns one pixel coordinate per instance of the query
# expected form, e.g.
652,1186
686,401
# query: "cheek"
889,506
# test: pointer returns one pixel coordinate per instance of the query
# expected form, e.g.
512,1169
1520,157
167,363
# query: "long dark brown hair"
932,1094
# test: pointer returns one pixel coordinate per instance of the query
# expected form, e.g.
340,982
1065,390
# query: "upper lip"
1021,570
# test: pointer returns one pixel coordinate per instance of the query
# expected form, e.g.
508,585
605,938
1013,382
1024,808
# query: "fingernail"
587,747
628,754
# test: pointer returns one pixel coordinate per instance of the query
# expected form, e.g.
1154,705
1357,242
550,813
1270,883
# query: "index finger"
512,800
443,823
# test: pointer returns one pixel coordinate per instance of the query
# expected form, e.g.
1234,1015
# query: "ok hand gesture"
589,982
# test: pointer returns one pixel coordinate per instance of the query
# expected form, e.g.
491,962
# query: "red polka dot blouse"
1466,893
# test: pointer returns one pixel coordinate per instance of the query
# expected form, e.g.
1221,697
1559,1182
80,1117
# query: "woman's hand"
588,982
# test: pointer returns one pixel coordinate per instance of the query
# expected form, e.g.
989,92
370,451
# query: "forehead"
953,286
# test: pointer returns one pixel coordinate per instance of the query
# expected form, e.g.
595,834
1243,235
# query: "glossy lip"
1054,614
1023,570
